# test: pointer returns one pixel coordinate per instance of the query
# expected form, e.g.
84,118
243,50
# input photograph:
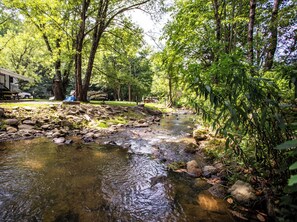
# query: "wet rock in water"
218,190
209,170
200,134
193,169
11,129
158,179
59,140
243,192
25,127
11,122
201,184
191,148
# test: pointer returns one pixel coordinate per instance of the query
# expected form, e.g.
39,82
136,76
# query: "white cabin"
9,86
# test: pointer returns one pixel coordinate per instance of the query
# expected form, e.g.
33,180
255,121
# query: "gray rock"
57,134
11,122
242,192
193,169
46,127
209,170
29,122
89,135
59,140
218,190
25,127
68,142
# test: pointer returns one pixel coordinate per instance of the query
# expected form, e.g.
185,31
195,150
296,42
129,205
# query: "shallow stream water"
42,181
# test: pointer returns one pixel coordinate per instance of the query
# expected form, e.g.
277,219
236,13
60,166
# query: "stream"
122,177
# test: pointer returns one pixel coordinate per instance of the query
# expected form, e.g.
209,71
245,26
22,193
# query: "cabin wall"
2,79
7,83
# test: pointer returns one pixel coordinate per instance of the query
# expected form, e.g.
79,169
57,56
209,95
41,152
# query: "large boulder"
193,169
243,192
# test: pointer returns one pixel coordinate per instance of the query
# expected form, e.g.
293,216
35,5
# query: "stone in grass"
242,192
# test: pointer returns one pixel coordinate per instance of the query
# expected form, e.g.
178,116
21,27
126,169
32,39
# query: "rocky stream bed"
168,166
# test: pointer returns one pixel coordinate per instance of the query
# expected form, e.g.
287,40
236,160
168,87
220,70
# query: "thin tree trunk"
295,84
251,32
170,92
129,92
273,36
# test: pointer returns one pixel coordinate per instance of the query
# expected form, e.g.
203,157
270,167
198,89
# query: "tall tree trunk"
273,36
97,34
78,47
251,32
129,92
119,92
58,83
217,15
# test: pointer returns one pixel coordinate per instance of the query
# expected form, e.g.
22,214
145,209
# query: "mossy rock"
200,134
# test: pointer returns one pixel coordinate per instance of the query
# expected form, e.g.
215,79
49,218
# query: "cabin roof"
12,74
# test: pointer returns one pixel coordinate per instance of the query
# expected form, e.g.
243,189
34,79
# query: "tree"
106,12
273,29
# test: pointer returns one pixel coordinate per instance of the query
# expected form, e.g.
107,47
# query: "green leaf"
292,180
287,145
293,166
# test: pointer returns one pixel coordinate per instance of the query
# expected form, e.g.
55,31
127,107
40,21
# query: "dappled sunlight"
210,203
33,164
99,155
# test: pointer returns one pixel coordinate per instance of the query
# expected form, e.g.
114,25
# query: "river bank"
60,121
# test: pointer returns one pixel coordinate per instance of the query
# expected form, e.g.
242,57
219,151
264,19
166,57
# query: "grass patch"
158,106
22,104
